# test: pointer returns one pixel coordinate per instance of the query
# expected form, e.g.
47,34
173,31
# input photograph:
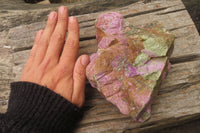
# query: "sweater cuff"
34,106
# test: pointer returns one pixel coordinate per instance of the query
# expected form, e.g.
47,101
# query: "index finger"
70,50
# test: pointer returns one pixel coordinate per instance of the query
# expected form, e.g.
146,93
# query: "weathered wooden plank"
161,113
186,40
4,96
183,78
171,16
136,9
6,76
179,91
178,99
14,13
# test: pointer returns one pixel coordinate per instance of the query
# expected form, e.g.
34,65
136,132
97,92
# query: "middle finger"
58,37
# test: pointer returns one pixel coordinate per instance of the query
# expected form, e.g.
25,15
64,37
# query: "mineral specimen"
130,63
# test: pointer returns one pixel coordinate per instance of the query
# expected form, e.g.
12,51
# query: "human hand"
53,64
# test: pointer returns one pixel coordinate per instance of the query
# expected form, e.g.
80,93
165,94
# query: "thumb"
79,76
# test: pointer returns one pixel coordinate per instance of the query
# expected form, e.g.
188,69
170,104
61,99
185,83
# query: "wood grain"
179,97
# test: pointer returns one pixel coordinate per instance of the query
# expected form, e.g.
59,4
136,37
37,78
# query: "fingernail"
52,15
40,32
62,9
72,19
85,60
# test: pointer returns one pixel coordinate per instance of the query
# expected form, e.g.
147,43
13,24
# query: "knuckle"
79,74
42,43
58,37
68,57
41,69
44,65
63,70
50,24
71,43
63,19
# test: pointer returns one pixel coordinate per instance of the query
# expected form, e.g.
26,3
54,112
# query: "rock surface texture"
130,63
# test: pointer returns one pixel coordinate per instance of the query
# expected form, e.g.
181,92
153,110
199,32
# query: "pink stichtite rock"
130,63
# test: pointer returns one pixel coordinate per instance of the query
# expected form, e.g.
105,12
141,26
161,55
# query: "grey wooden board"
179,97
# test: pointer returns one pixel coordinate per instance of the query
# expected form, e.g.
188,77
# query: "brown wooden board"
179,97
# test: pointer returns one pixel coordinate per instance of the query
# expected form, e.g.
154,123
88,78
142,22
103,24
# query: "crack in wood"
22,49
164,13
86,108
86,26
145,12
3,102
182,59
85,21
146,128
177,87
87,38
85,125
180,27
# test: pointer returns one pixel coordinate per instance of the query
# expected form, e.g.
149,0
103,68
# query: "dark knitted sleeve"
36,109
